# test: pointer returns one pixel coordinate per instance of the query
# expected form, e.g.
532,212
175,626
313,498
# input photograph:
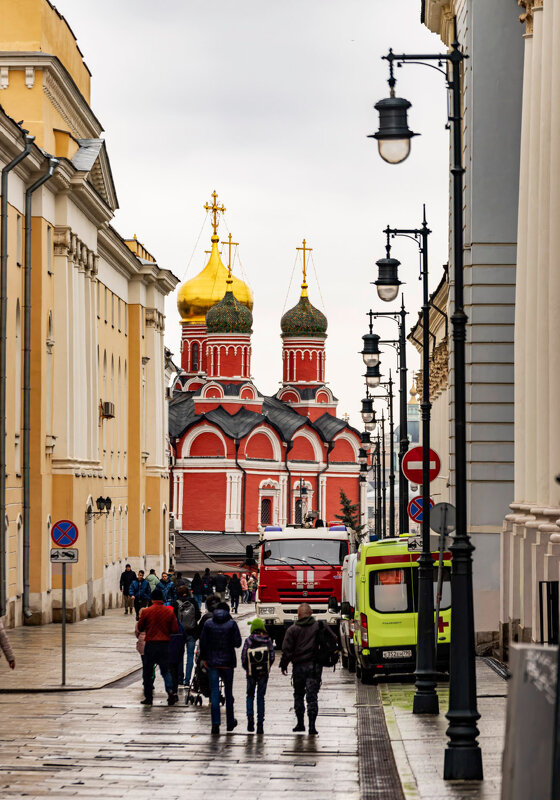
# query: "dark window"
194,357
266,511
299,520
311,552
393,591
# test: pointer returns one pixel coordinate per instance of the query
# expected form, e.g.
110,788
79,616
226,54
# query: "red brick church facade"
240,458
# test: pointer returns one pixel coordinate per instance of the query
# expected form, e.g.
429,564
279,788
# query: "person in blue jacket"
167,588
218,640
140,592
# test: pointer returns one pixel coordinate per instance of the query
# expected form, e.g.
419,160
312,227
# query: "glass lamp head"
394,135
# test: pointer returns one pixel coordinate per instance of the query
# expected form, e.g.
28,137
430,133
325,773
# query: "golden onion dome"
197,296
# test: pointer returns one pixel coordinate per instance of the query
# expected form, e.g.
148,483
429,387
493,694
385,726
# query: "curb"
54,689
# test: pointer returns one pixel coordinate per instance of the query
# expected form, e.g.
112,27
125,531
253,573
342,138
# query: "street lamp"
373,376
388,397
463,758
400,318
394,135
370,352
387,279
368,414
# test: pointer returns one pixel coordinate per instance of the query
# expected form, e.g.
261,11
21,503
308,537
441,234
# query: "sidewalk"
419,742
99,651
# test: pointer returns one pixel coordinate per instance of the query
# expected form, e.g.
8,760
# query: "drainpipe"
330,446
3,328
243,486
289,446
52,165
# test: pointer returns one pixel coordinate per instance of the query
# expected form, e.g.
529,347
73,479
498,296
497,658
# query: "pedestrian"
299,647
234,592
197,589
126,579
219,583
218,640
159,622
206,584
152,579
179,580
188,614
257,657
167,588
252,586
140,593
244,588
212,602
176,654
6,647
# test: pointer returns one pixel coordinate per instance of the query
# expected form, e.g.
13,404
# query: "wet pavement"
102,743
105,744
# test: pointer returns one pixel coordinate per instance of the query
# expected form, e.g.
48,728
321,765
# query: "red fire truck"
300,565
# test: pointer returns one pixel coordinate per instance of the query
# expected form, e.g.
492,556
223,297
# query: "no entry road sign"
412,465
416,508
64,533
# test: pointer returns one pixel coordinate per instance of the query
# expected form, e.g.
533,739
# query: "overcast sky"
270,103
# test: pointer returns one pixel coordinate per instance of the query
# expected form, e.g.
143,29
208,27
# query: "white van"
347,611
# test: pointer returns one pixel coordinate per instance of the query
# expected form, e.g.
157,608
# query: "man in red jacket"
158,622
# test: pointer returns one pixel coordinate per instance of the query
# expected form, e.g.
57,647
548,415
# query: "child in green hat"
257,657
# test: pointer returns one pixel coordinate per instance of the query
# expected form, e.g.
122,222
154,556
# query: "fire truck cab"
300,565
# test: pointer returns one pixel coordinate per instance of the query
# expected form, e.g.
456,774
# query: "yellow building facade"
95,393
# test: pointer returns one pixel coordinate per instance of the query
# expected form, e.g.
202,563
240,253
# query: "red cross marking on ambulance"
442,624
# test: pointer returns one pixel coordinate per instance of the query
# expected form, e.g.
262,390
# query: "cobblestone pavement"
419,742
98,650
105,744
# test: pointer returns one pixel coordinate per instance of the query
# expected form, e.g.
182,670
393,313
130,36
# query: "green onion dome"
304,320
229,316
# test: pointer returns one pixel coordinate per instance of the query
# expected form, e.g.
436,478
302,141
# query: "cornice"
58,86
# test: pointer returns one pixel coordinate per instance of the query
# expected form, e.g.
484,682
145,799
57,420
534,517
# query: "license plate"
397,653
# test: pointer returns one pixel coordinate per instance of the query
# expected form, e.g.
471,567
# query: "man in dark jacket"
218,640
159,622
299,648
220,583
140,593
188,614
126,579
167,588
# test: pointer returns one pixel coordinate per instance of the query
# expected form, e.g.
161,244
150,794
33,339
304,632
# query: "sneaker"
250,724
231,727
147,701
215,730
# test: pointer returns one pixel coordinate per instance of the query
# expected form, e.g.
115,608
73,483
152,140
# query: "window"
394,591
266,511
299,519
194,357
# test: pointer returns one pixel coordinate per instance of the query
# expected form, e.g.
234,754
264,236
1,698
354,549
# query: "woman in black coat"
234,592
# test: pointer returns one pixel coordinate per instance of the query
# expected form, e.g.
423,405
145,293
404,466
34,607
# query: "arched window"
266,511
194,357
299,518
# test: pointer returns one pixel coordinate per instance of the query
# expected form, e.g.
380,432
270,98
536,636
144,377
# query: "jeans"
190,648
156,653
260,685
198,600
226,674
174,675
306,679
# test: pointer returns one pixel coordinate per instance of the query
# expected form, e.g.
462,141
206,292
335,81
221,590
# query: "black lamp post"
388,397
400,318
463,758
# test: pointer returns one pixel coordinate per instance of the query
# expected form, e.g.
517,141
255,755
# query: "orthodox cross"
215,209
229,245
305,250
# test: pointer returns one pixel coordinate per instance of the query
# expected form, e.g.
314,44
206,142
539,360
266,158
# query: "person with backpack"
140,593
218,641
310,646
176,653
257,657
152,579
188,615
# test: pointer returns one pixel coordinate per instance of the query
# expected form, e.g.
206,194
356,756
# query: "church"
242,460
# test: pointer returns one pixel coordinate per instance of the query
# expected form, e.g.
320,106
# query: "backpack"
258,661
187,615
326,647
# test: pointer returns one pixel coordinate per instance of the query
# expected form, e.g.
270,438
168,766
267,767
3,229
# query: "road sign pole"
63,624
440,577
